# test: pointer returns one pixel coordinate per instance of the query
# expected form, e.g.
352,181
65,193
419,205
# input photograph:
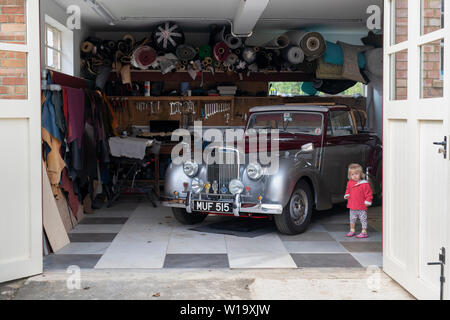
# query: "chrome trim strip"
189,202
237,204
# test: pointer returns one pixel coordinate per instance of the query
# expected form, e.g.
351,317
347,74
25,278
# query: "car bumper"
238,206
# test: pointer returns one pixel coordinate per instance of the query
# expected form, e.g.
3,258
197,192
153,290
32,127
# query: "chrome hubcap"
299,207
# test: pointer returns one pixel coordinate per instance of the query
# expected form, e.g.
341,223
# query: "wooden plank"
67,217
53,225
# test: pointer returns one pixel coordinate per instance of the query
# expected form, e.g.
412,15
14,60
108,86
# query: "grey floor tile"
369,258
62,261
91,237
353,246
314,247
307,236
343,227
316,227
322,260
103,220
196,261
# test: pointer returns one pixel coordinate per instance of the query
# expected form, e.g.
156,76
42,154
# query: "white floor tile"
266,251
97,228
84,248
140,244
261,260
189,241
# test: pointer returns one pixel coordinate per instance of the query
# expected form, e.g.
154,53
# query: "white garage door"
415,115
20,141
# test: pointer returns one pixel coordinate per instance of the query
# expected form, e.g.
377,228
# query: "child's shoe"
362,235
350,234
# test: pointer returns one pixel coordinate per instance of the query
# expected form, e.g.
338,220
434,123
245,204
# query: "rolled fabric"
249,55
143,57
125,60
112,45
279,42
205,51
87,47
145,41
221,51
125,73
313,45
231,60
232,41
262,59
295,36
208,60
205,63
185,52
293,54
129,39
123,46
167,36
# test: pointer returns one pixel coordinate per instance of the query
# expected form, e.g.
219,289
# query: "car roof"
292,107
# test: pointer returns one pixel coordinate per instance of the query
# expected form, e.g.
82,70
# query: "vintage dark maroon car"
315,146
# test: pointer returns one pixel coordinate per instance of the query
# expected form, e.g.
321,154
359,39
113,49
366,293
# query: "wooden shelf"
172,98
154,75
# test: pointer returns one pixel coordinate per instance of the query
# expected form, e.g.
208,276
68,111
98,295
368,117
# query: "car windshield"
292,122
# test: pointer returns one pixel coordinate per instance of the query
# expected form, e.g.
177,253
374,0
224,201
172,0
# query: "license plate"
213,206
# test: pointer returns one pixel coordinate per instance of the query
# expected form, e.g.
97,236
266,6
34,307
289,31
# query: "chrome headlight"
197,185
190,168
254,171
236,186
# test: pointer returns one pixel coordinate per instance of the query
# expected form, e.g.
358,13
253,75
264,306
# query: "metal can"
147,88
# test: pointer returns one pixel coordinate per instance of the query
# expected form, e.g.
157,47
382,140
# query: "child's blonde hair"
354,167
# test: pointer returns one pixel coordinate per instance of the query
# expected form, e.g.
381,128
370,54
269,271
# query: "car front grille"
224,171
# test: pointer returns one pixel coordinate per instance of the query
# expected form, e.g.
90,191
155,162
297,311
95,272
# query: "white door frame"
28,113
406,272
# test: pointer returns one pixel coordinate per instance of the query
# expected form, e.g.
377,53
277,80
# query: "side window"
339,124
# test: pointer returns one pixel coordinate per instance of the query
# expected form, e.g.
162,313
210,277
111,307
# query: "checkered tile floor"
133,234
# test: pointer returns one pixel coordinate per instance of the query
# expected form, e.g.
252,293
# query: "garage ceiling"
197,15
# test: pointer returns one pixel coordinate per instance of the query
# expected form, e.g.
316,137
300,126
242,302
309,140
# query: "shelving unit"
183,76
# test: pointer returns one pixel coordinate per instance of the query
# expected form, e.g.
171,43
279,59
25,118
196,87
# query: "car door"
342,146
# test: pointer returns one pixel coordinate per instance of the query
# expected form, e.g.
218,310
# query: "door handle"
444,144
441,263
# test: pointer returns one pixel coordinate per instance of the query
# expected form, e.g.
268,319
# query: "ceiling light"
101,11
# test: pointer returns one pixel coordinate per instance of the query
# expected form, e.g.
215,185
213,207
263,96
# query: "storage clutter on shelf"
166,50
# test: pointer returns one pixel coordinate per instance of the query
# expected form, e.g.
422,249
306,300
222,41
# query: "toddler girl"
359,195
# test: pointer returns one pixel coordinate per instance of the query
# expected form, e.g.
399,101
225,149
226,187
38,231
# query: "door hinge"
441,262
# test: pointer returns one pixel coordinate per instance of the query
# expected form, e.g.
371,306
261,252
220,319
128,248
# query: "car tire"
183,217
297,213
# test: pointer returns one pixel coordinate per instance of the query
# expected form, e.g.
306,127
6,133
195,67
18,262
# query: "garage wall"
49,7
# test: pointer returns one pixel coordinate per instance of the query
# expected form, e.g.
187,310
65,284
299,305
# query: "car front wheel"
184,217
297,212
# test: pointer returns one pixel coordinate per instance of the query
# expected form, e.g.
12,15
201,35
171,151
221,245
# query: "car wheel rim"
299,207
